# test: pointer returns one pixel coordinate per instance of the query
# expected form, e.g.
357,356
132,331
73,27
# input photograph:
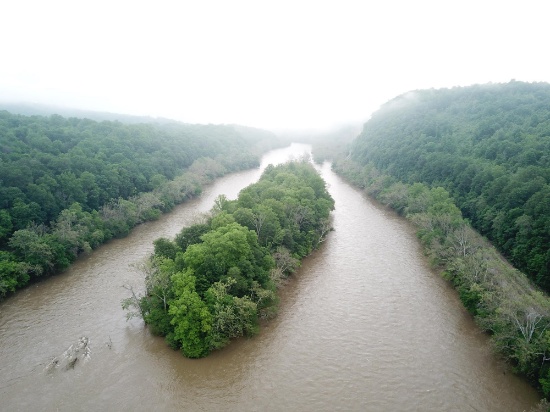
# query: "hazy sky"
271,64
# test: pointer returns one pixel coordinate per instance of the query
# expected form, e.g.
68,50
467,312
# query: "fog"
277,65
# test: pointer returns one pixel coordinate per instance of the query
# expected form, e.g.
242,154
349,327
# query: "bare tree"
258,218
157,273
324,228
527,323
132,304
463,240
284,260
145,202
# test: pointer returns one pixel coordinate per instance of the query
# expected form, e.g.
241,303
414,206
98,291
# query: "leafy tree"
5,225
13,274
33,247
190,316
191,235
165,248
230,250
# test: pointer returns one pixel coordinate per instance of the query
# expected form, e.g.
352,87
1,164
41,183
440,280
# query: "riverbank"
502,300
70,185
39,252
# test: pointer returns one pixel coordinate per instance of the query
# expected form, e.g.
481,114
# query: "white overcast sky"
272,64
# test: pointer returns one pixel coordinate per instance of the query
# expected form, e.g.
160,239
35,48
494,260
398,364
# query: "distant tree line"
488,146
219,276
326,144
68,185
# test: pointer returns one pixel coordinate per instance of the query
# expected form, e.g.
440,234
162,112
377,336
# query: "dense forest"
489,146
479,156
218,277
68,184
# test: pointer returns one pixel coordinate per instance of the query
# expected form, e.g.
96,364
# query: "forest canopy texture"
219,277
68,185
480,155
488,146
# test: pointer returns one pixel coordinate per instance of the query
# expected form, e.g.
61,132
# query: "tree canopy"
69,184
217,278
489,146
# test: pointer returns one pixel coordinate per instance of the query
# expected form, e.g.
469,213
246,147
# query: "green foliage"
165,248
12,273
218,278
191,318
228,251
502,300
84,182
232,316
488,146
191,235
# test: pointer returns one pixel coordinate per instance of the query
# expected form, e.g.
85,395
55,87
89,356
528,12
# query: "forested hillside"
489,146
218,277
67,185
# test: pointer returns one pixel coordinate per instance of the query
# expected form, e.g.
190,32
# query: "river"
364,325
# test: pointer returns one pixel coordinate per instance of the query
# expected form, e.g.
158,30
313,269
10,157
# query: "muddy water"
364,326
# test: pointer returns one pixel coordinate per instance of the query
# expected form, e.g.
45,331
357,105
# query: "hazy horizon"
273,65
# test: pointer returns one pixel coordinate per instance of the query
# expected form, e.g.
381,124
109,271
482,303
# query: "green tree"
190,316
231,247
33,247
5,226
13,274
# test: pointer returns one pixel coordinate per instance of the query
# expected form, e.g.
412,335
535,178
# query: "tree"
228,247
133,304
191,235
5,225
284,260
165,248
190,317
71,230
158,282
23,214
13,274
33,247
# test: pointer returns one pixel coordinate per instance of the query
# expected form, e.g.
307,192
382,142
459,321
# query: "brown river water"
364,325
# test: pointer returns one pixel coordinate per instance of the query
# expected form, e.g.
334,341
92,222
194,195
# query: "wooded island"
219,277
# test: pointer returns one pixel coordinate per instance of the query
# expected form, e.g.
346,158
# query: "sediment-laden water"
364,325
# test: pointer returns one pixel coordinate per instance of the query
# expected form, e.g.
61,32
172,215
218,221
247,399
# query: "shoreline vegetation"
70,185
219,277
469,167
502,300
488,146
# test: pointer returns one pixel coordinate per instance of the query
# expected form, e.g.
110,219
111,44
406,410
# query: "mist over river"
364,325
